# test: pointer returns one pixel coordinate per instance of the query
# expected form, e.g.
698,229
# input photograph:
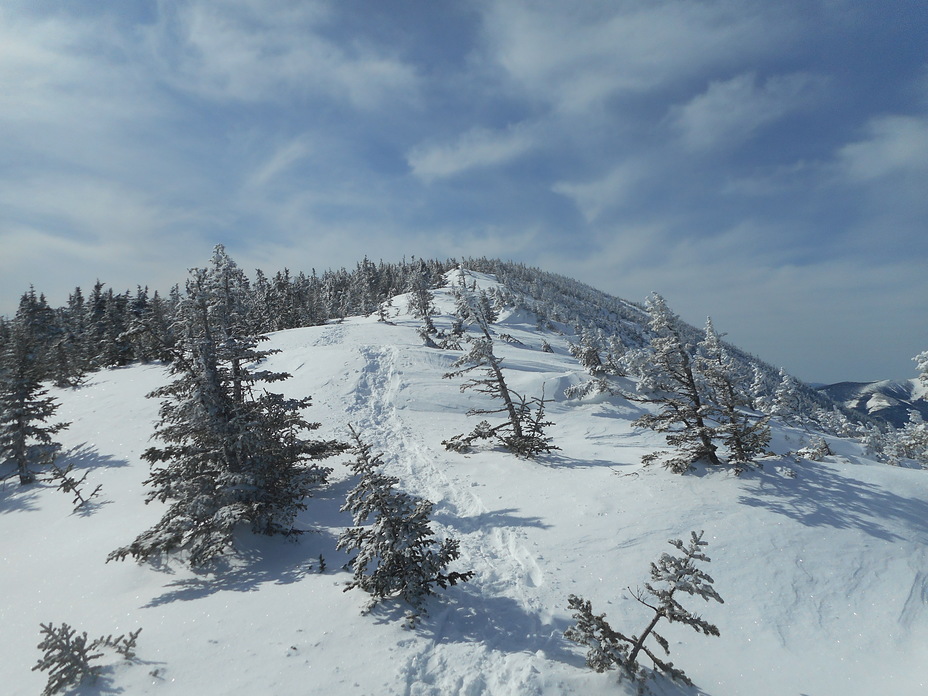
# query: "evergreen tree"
788,404
421,298
615,353
397,554
75,340
523,431
745,437
26,433
38,324
587,352
761,390
665,369
233,453
114,350
921,361
68,657
150,332
908,442
672,576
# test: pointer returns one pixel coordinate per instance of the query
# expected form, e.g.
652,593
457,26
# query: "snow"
822,565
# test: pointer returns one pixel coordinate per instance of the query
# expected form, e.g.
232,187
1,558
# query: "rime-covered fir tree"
587,351
672,576
233,454
397,554
788,404
921,362
667,379
745,436
26,409
421,298
523,432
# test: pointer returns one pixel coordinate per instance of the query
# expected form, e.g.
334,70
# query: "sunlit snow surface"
822,565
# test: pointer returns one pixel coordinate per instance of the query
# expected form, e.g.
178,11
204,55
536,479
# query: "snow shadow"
323,509
500,623
256,562
15,497
505,517
818,496
18,498
104,681
554,459
86,456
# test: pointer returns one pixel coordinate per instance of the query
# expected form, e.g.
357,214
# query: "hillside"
822,564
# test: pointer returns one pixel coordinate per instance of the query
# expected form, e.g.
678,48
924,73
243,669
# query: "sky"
763,163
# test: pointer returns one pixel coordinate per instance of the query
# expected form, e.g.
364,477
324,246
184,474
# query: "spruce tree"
26,410
745,436
788,404
523,432
587,352
397,554
672,576
666,373
234,454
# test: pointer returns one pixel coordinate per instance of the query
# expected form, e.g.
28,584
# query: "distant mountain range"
890,400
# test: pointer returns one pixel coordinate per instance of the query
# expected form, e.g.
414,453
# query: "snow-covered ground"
822,565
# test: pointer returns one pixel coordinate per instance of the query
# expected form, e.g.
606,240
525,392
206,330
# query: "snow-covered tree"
234,454
397,553
614,358
69,657
26,409
787,403
921,362
667,380
480,356
149,331
523,432
601,358
587,352
421,298
672,576
746,436
910,442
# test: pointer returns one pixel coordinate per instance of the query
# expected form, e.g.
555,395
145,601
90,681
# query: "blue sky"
765,163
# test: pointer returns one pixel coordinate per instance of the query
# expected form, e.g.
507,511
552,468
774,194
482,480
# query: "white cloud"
248,51
477,148
68,93
575,55
896,145
730,111
280,161
611,191
108,218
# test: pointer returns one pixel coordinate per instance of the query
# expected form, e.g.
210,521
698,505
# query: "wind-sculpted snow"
822,565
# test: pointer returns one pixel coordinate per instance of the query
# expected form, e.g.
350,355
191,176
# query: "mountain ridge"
889,400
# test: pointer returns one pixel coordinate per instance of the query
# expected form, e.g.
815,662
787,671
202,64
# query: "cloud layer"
764,163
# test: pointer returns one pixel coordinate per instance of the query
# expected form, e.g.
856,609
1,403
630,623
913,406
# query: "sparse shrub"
69,484
68,656
610,649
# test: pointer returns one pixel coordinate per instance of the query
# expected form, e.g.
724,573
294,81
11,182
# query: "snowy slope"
822,565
